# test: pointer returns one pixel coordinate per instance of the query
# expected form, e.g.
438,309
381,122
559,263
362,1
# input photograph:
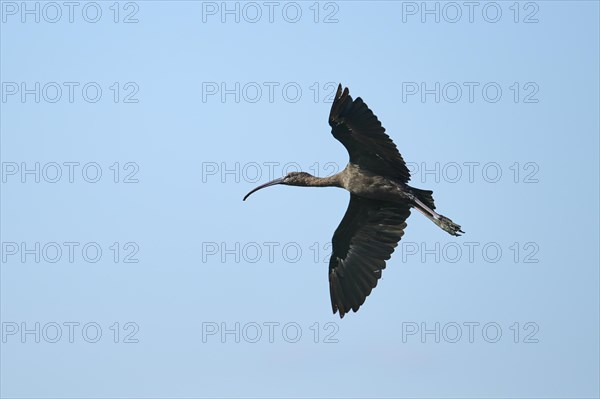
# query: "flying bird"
380,202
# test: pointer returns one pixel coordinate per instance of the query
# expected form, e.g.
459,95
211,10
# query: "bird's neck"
330,181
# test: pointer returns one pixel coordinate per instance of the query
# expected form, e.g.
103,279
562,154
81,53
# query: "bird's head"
291,179
296,178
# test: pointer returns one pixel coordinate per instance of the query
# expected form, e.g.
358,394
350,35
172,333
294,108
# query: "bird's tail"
426,197
426,205
447,225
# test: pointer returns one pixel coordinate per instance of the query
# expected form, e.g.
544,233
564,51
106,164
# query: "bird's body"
366,184
380,202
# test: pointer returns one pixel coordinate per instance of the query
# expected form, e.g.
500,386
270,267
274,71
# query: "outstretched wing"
364,240
359,130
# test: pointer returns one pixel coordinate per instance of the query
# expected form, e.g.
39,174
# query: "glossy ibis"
380,202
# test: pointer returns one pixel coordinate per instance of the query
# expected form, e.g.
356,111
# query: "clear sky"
131,131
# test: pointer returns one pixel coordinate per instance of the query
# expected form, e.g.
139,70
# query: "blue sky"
131,131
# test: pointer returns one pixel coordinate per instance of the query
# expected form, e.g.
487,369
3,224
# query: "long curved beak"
271,183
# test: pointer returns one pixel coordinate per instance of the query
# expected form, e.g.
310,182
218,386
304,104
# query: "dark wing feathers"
364,240
359,130
370,229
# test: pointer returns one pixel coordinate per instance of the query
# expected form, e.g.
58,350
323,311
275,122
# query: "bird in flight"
380,202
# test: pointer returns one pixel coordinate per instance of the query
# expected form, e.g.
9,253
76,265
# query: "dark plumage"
359,130
364,240
380,202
